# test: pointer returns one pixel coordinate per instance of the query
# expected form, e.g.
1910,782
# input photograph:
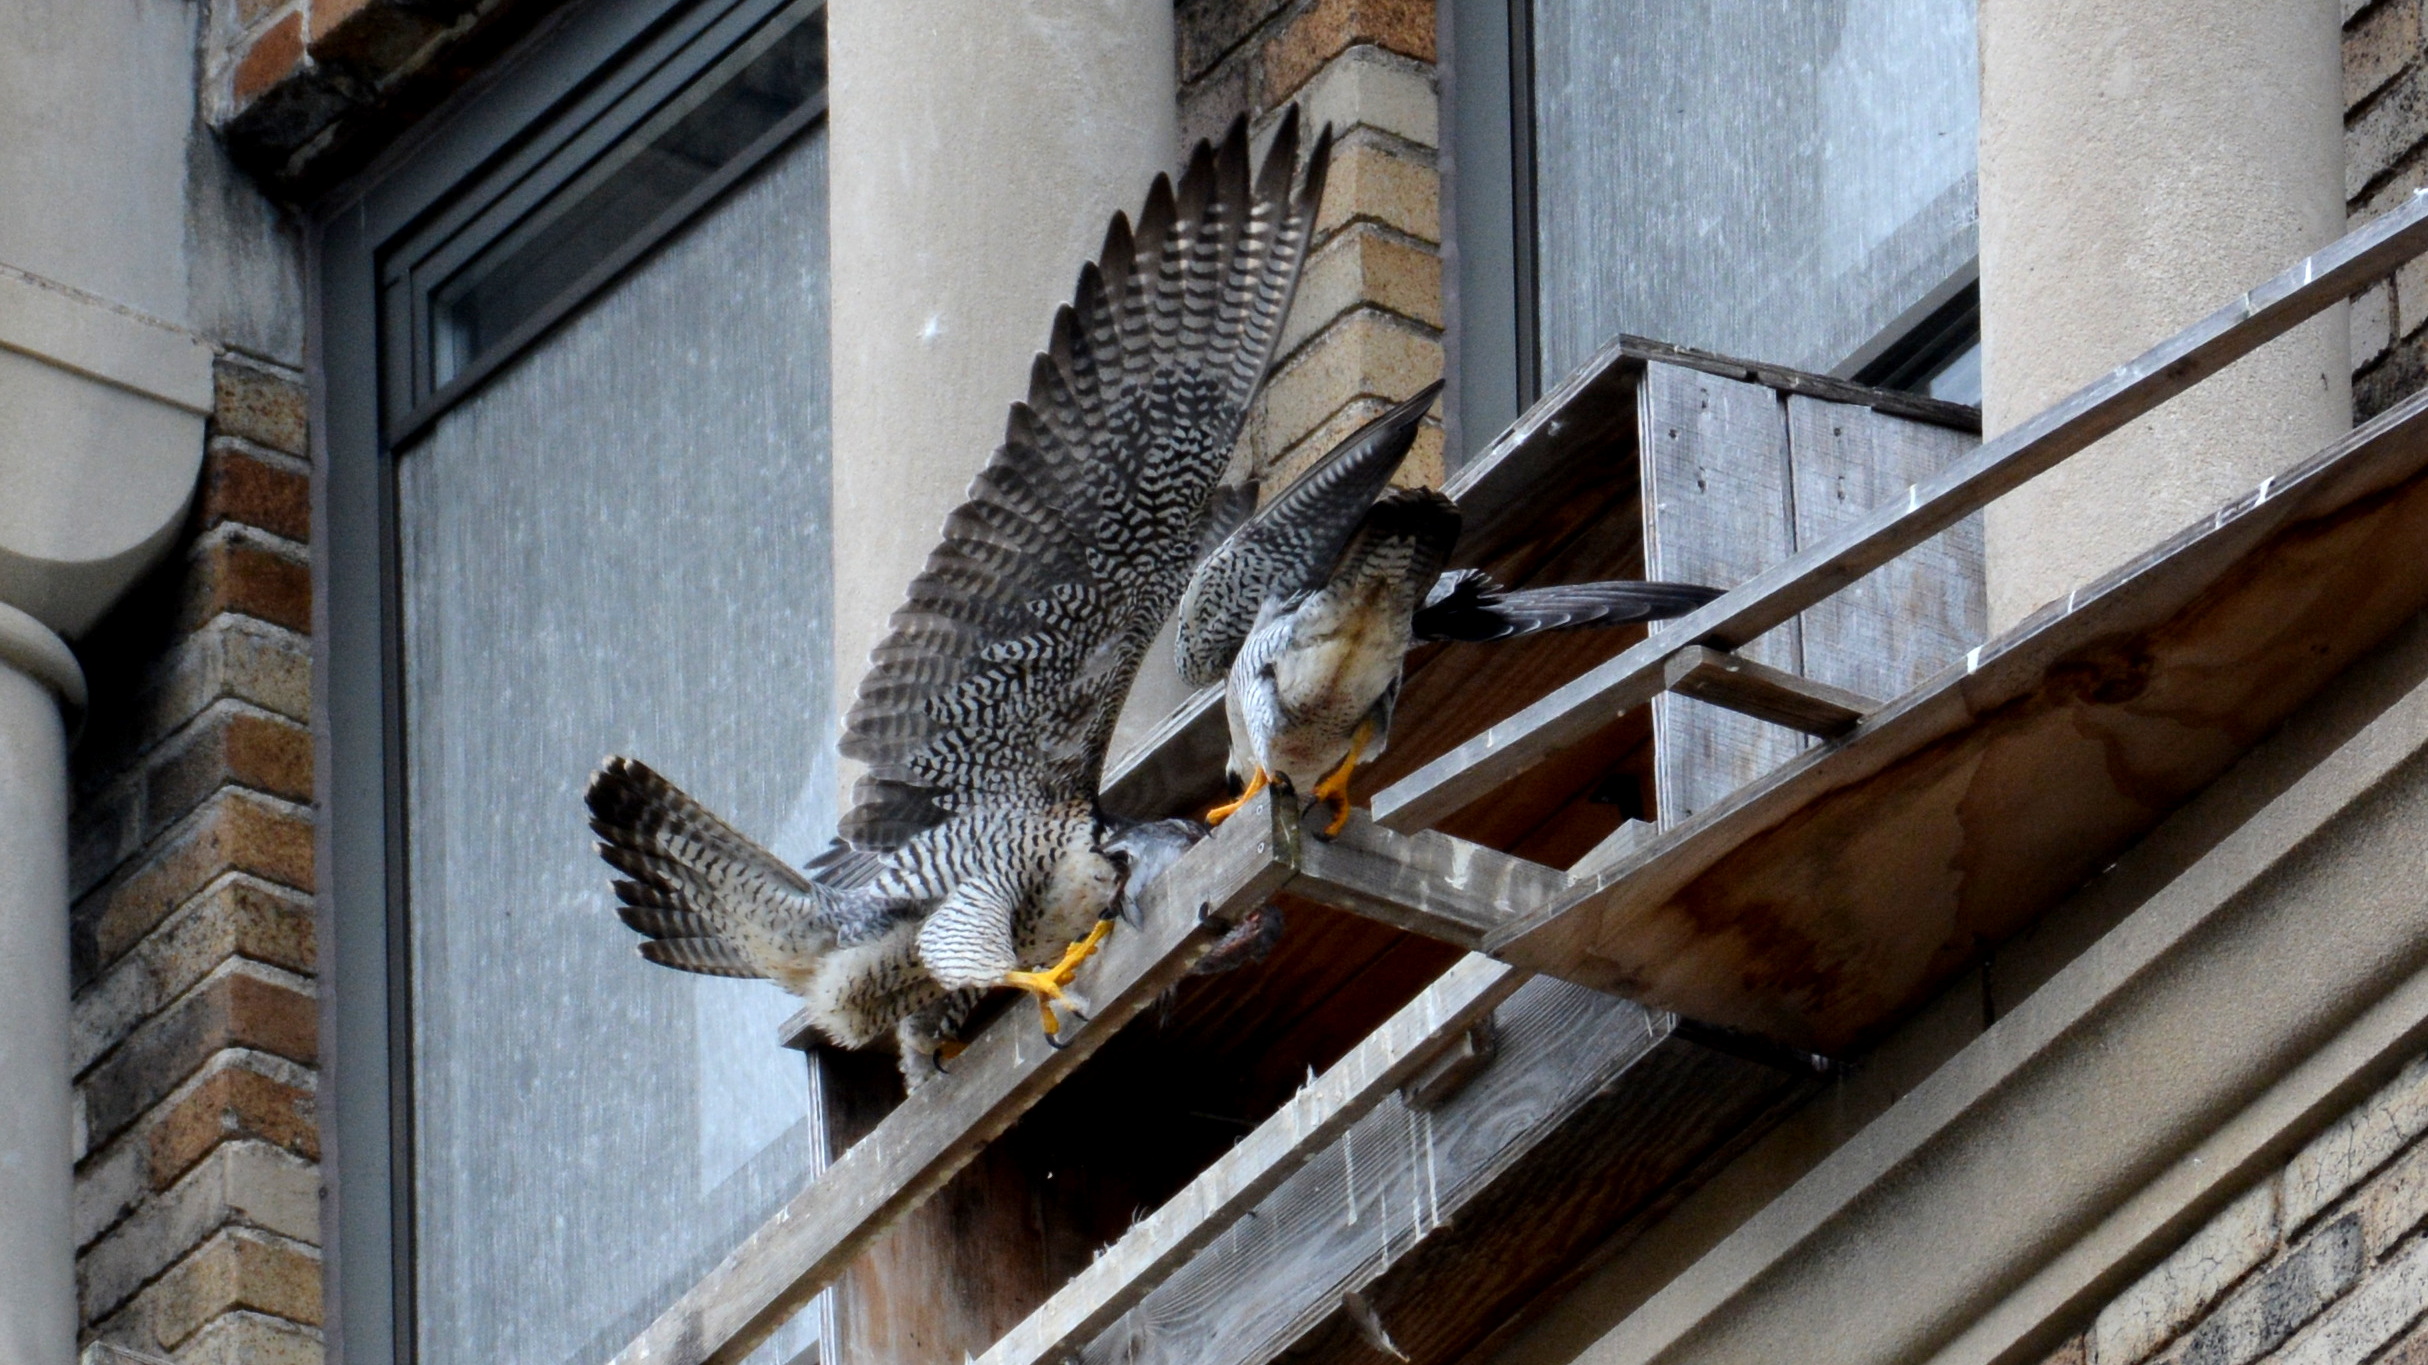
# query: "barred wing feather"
1003,673
1292,544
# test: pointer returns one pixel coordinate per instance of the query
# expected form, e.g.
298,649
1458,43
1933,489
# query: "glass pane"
1775,179
715,121
618,546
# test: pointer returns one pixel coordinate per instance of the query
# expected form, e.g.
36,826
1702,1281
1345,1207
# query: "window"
1781,180
575,353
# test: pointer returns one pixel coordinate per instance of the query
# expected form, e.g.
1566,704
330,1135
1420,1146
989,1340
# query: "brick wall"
2385,159
197,1184
1366,330
2324,1262
303,91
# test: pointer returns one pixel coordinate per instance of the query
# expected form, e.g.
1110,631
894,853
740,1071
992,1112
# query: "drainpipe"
101,437
38,676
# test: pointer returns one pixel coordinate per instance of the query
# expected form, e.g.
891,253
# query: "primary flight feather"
974,850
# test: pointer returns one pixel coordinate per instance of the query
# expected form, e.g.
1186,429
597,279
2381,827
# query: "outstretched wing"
1468,605
1002,675
705,897
1292,544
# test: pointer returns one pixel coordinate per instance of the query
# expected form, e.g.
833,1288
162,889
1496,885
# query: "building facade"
403,404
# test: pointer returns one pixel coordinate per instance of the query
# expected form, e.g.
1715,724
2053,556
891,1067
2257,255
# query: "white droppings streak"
1348,1162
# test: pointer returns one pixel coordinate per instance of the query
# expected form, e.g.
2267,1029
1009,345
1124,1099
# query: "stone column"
978,149
37,1244
2140,166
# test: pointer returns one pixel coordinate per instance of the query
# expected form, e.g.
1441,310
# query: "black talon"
1055,1042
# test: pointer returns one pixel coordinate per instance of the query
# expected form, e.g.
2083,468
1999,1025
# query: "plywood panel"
1820,903
1718,509
1922,610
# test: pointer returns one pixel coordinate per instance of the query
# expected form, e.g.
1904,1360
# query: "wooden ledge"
1431,883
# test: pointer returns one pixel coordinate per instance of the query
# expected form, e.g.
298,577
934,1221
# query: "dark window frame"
595,74
1491,236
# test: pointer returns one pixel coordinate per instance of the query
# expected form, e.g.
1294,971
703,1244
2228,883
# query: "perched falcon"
975,850
1310,607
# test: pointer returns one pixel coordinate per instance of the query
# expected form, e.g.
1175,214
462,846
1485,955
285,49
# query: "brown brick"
240,576
2397,376
232,832
227,747
233,657
236,1270
377,37
236,1010
1371,184
254,403
271,57
243,1338
1207,108
1365,268
1205,31
239,916
2382,43
2387,132
1330,27
234,1105
1366,354
240,486
104,830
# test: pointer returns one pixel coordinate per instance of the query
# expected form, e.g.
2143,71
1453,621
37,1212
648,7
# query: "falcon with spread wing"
1309,608
975,849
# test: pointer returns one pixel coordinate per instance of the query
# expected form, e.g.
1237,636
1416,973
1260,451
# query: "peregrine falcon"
1309,608
975,849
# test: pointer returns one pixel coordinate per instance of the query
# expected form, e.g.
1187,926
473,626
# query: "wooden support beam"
1818,904
1427,883
1430,883
943,1124
1756,689
1443,1220
1502,752
1316,1117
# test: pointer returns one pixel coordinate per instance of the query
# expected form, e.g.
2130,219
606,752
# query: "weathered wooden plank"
1716,510
1767,694
1312,1120
1400,1180
941,1126
1820,903
1929,507
1428,882
1885,633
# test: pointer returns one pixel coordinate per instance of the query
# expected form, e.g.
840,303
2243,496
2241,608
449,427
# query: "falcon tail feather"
1466,605
702,894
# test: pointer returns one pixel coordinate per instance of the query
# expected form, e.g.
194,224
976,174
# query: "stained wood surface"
936,1131
1767,694
1916,614
1313,1120
1821,902
1718,509
1400,1180
1495,757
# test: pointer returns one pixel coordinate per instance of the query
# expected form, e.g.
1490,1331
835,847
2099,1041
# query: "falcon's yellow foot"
1256,783
1333,791
1048,985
